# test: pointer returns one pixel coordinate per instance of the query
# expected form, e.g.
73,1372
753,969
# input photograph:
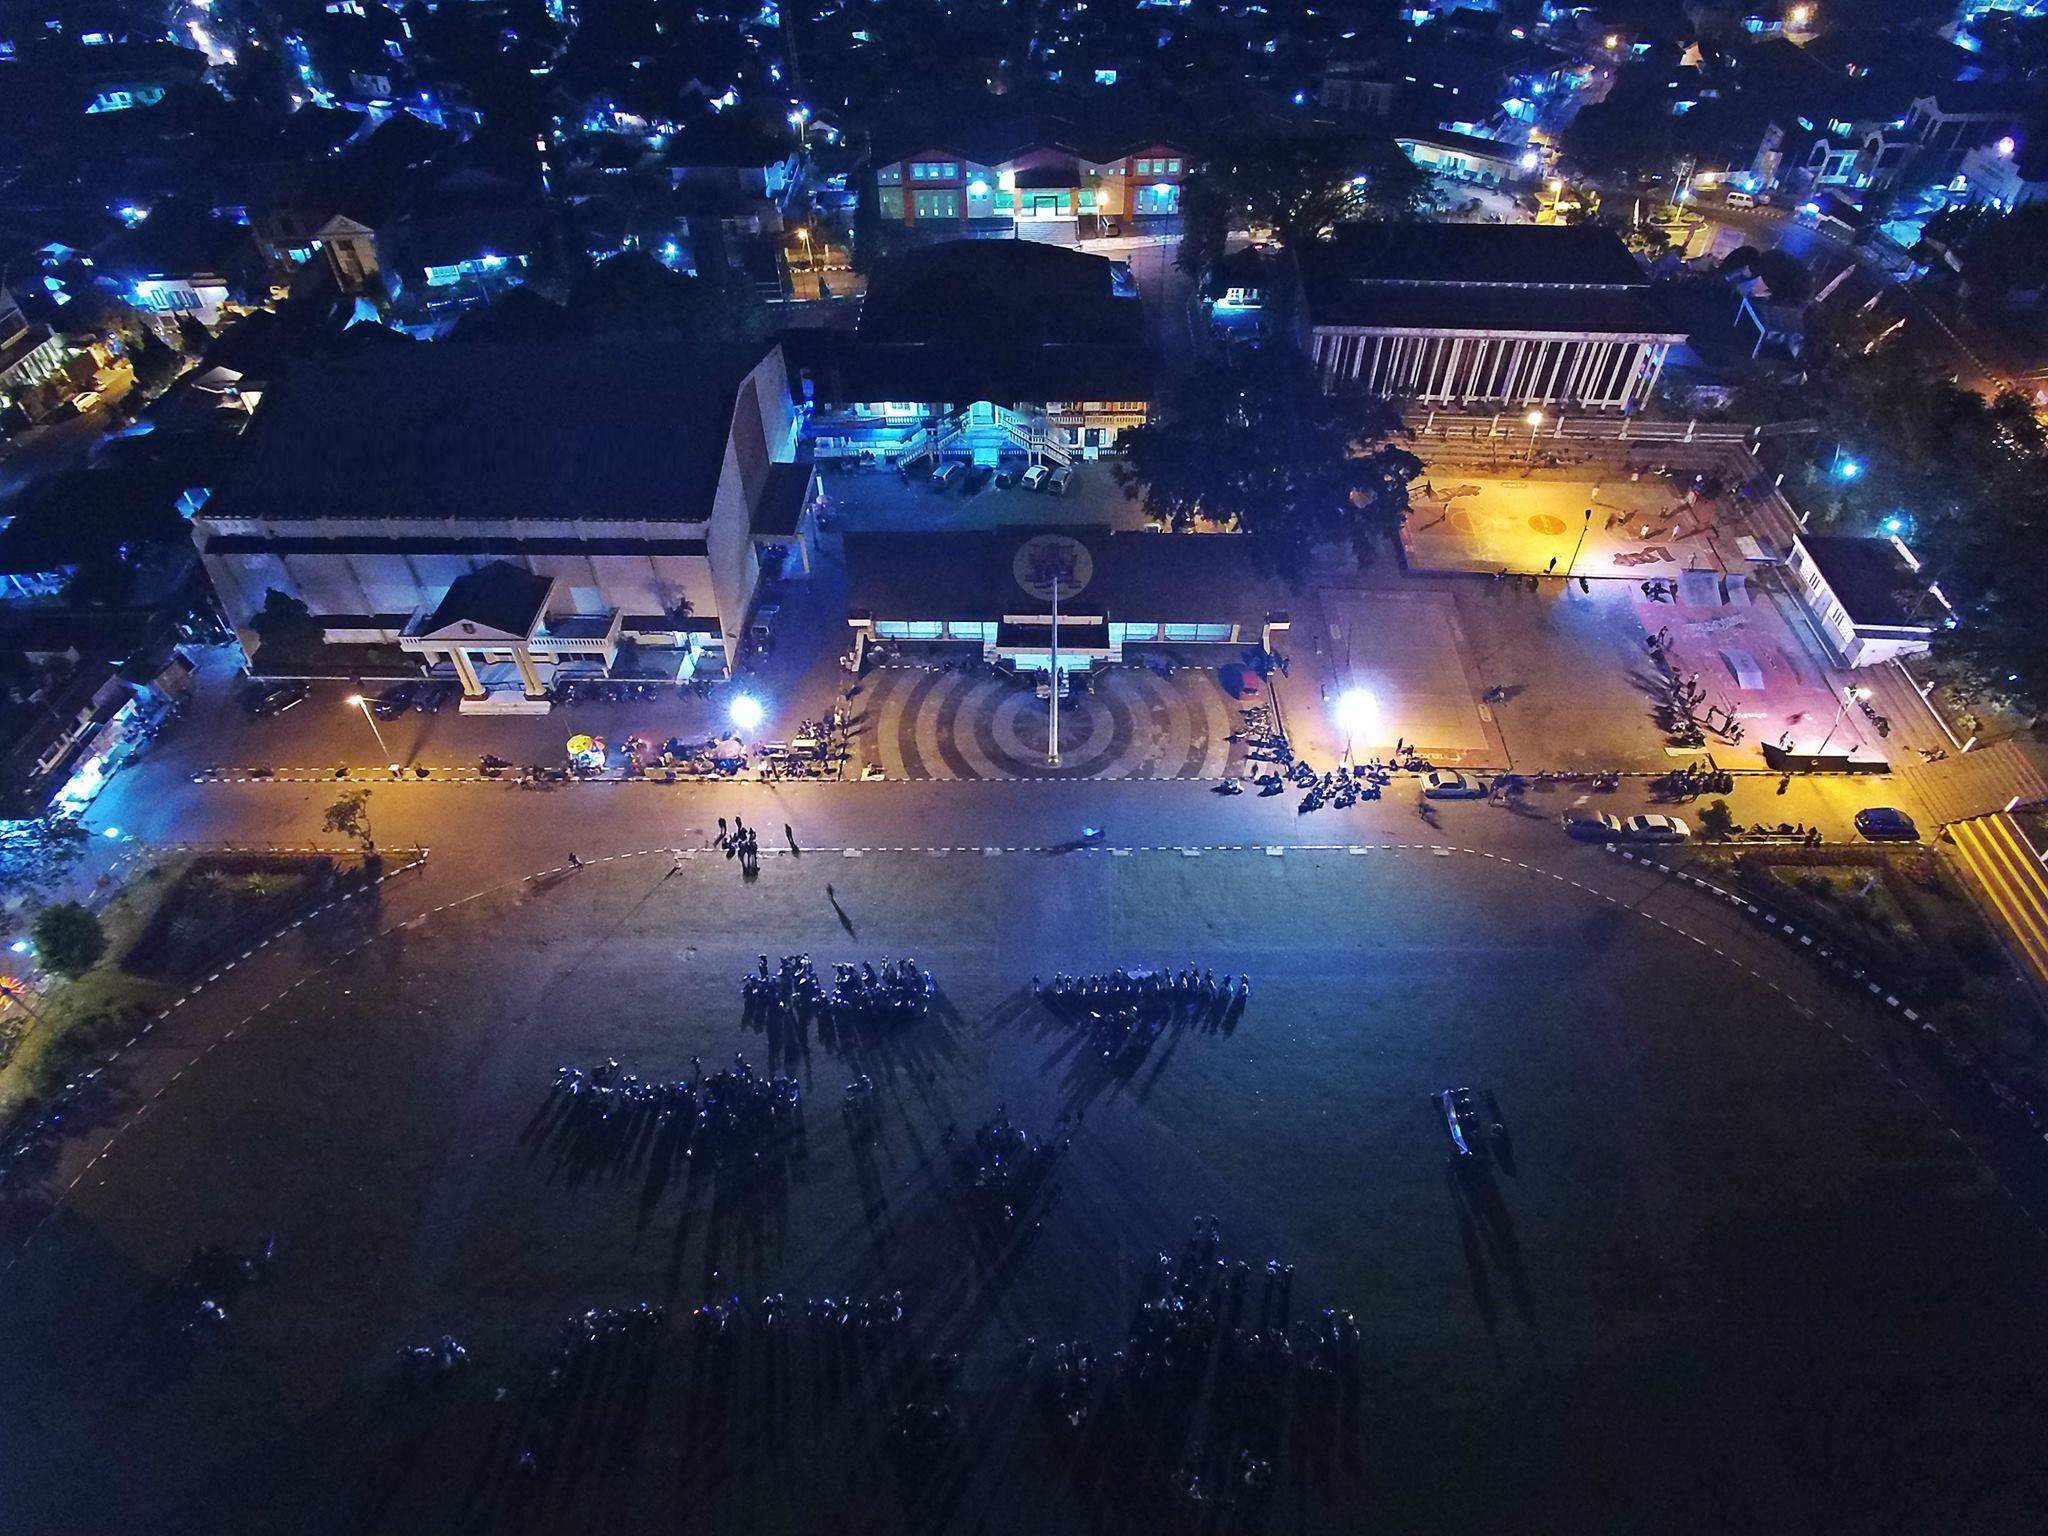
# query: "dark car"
977,479
393,702
263,701
1883,823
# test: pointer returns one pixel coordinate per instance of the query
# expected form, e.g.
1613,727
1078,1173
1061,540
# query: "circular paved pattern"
1543,522
1134,724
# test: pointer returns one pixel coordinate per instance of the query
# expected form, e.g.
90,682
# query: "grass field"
1735,1282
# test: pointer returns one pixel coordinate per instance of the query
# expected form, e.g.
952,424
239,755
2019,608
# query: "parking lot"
880,500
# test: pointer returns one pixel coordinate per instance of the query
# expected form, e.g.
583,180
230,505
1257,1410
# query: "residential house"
181,260
2005,174
1468,156
29,354
727,153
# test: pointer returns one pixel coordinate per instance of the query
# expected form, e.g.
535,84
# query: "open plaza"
1063,897
1730,1274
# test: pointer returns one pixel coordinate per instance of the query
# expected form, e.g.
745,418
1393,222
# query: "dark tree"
635,294
69,939
1302,181
283,619
1250,442
155,364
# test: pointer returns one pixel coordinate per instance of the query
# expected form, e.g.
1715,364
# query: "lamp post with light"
1357,713
1849,696
1535,420
364,705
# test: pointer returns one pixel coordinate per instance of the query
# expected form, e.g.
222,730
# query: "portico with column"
1504,369
498,615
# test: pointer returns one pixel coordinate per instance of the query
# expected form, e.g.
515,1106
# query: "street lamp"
746,713
1535,420
1358,713
1849,696
1583,528
364,705
803,233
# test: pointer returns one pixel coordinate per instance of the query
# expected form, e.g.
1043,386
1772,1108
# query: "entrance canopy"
997,587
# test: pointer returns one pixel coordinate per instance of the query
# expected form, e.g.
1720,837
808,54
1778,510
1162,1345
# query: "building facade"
1035,183
370,487
1500,317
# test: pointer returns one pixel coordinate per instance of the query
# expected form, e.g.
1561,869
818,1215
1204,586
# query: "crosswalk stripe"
2013,883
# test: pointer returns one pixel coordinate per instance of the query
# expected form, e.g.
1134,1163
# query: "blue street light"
1848,469
1894,525
745,712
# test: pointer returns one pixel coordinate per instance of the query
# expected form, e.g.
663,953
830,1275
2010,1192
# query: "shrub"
69,938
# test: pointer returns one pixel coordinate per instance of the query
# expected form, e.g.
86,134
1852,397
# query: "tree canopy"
1301,181
1249,441
69,939
1963,478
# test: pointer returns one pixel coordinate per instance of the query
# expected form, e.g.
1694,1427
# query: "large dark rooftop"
489,433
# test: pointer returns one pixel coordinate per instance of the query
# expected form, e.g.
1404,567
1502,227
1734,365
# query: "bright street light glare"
1357,713
1534,418
745,712
354,701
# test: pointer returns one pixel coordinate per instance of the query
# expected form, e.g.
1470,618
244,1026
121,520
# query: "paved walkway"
1967,784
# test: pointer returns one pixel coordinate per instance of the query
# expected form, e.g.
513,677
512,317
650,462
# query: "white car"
1592,827
1449,784
1035,477
1655,829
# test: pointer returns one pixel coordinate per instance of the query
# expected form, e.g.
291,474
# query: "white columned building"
1486,316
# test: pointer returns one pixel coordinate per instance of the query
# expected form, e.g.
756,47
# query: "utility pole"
1052,741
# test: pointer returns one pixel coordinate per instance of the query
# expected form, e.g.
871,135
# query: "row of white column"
1509,370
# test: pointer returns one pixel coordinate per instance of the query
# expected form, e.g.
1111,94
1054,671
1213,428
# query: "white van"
1739,200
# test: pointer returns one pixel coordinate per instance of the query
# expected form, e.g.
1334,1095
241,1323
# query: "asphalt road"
1742,1275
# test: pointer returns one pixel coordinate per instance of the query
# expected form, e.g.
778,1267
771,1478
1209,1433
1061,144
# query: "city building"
1493,316
1868,596
978,349
998,182
560,499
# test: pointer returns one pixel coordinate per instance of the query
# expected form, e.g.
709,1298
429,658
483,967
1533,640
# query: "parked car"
977,479
948,474
1058,481
1740,200
400,697
1655,829
1593,827
1035,477
265,700
1884,823
1449,784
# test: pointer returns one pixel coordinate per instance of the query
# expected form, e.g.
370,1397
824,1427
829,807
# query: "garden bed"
223,902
